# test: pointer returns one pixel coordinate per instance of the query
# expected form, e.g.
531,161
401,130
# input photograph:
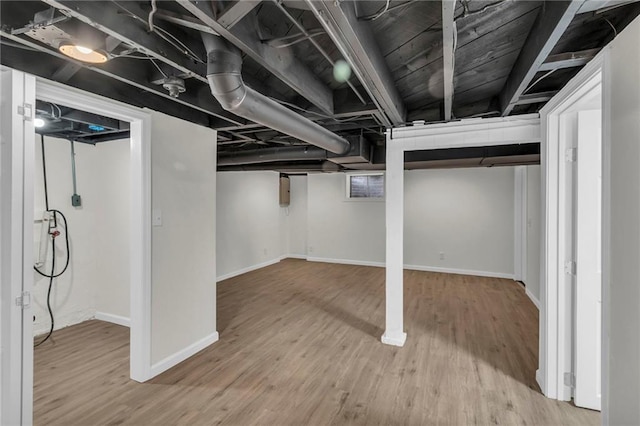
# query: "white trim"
533,299
114,319
553,324
396,340
250,268
296,256
606,233
468,133
178,357
539,379
346,261
140,229
459,134
16,251
424,268
471,272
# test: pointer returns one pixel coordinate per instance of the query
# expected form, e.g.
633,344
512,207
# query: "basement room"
290,212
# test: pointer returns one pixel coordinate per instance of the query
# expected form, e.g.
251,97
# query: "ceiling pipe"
270,155
224,65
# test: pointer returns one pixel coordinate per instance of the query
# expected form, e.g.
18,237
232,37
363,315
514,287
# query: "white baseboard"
369,263
539,379
250,268
346,261
459,271
533,298
296,256
178,357
415,267
398,340
115,319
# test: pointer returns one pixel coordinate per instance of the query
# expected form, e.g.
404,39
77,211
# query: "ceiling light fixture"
82,53
38,122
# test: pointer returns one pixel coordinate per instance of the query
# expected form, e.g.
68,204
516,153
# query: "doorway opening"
82,193
571,322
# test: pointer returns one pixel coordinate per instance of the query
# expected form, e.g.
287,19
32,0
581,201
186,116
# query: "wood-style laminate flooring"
300,345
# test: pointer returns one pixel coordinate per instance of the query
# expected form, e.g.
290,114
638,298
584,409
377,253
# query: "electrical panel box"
285,191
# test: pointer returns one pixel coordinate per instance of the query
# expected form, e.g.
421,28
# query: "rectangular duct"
359,152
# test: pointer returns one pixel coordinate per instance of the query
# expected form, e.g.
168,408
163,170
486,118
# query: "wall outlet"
310,249
156,217
441,255
265,251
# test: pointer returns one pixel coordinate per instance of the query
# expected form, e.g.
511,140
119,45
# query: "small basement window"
370,185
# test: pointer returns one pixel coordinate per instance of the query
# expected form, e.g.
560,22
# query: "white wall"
624,288
298,217
532,280
113,183
339,228
183,296
99,232
467,214
251,225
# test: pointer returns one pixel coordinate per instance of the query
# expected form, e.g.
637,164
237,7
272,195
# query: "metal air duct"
270,155
224,65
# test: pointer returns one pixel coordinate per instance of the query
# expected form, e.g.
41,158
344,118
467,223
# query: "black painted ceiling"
491,37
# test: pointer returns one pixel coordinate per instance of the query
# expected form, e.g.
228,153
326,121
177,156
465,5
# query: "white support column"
394,333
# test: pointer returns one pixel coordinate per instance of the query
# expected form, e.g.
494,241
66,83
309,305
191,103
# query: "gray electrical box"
76,200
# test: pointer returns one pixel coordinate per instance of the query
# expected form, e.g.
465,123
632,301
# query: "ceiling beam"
568,60
535,98
127,22
187,21
136,76
358,46
281,62
552,21
448,54
234,13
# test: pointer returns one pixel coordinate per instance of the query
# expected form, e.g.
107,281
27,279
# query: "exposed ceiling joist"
535,98
234,13
280,62
448,54
134,77
602,5
568,60
358,46
78,116
552,21
118,21
186,21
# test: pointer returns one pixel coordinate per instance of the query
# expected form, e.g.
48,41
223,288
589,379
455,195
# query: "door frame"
555,343
16,229
140,210
16,245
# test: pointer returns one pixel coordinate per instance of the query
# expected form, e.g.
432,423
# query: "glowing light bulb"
84,50
38,122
